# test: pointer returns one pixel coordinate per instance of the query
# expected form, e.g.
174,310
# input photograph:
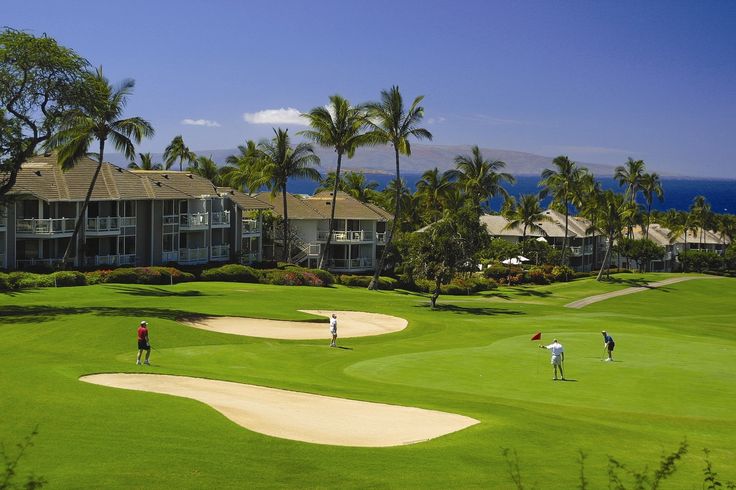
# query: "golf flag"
537,336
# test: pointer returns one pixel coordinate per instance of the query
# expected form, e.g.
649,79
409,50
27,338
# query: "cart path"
613,294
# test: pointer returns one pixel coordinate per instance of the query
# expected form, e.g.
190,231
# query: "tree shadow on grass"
38,314
465,310
155,291
637,283
526,291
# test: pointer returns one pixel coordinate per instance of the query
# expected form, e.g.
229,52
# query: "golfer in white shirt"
333,330
558,357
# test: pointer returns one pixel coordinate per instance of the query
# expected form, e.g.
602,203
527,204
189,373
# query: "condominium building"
133,218
358,240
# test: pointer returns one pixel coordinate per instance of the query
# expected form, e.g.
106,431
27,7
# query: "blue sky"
598,81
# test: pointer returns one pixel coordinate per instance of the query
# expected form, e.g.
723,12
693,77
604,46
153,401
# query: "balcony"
109,260
381,238
362,263
342,236
221,219
576,251
220,252
127,221
195,221
170,256
45,226
193,255
107,225
251,227
23,263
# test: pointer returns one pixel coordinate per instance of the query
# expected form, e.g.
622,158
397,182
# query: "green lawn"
673,379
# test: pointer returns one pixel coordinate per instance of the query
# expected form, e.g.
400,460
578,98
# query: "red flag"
537,336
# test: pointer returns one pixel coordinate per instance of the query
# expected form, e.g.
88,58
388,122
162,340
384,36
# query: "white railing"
221,218
126,259
171,256
126,221
359,263
346,236
195,220
251,227
171,219
44,226
588,250
220,251
103,224
576,251
188,255
21,263
102,260
381,237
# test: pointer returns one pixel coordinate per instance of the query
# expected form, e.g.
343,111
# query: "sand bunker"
300,416
349,324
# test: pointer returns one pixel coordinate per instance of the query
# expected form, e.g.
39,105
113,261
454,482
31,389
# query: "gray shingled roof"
242,200
319,207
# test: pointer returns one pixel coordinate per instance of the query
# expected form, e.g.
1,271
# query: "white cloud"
200,122
276,116
436,120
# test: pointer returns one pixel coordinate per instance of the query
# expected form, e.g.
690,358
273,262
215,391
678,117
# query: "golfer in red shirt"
143,343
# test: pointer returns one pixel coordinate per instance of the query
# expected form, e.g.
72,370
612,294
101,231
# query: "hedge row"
290,276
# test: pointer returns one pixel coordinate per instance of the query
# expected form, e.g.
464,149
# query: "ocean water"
678,193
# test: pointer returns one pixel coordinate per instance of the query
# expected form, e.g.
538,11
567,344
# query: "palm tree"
177,150
146,163
480,178
244,170
651,186
526,215
701,216
339,126
281,161
432,189
356,185
98,118
390,123
207,168
612,211
562,183
588,200
630,175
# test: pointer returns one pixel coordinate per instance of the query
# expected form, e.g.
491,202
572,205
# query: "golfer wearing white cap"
143,343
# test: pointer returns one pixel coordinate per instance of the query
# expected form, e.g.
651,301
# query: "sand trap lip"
349,324
299,416
613,294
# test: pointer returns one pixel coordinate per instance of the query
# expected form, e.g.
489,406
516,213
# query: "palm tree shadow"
465,310
155,291
40,313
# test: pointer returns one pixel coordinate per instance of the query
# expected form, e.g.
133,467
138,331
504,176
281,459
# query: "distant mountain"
424,157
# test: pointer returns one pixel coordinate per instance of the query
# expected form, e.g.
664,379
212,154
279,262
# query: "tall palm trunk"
523,240
564,240
649,218
331,225
80,218
397,212
606,258
285,254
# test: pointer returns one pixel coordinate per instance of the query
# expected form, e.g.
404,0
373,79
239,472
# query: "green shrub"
325,276
148,275
98,276
496,271
69,278
363,281
292,277
5,284
562,273
28,280
537,275
231,273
